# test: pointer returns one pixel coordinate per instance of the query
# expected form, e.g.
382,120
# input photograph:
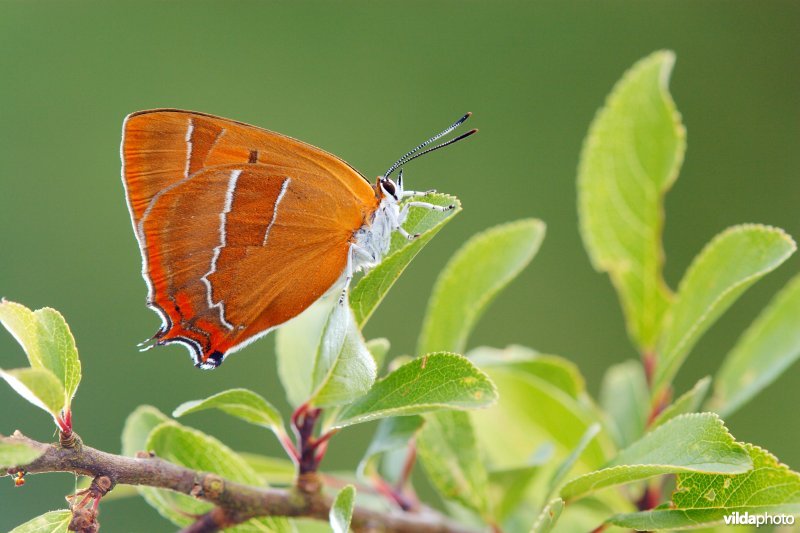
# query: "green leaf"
371,289
532,411
768,347
548,517
483,266
199,452
342,509
195,450
17,453
566,466
704,499
553,369
429,383
727,266
137,428
392,434
449,453
507,488
48,343
379,348
296,346
241,403
689,402
50,522
625,396
630,159
343,367
39,386
272,470
687,443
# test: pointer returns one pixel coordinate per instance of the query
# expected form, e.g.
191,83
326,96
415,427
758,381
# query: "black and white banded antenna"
415,153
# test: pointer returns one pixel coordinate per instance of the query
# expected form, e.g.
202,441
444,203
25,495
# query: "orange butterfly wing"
240,228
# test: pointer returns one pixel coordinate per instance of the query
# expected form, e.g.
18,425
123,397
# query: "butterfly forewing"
240,228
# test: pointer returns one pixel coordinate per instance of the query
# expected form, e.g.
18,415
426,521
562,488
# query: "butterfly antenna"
413,154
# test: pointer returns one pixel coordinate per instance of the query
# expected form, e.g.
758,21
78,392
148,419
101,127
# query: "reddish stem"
64,422
661,401
649,362
650,499
290,449
408,465
310,450
392,494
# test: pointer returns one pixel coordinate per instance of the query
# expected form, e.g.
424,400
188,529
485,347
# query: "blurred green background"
367,81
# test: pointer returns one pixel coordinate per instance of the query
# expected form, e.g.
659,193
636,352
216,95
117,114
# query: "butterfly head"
391,189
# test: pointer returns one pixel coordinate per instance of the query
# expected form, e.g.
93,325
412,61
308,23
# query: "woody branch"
234,502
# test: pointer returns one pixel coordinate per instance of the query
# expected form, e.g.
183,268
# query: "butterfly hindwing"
240,229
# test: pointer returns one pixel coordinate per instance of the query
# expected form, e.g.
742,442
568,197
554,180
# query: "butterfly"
241,229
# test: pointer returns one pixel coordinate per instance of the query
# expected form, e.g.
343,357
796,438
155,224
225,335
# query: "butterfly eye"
389,187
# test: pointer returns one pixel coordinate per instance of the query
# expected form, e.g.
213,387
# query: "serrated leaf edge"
387,413
701,258
476,240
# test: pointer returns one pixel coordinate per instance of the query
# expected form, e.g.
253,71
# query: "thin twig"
236,502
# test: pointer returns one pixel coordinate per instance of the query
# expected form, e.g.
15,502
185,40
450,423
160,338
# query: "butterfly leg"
407,235
348,269
432,207
412,194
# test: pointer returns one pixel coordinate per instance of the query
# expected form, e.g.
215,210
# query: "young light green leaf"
625,396
688,443
59,353
371,289
190,448
483,266
548,517
241,403
689,402
532,411
343,368
48,343
429,383
768,347
17,453
727,266
137,428
706,499
553,369
630,159
379,348
449,453
392,434
566,466
342,509
39,386
51,522
296,346
507,488
272,470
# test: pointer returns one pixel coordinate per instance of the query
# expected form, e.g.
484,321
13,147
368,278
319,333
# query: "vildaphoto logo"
758,520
